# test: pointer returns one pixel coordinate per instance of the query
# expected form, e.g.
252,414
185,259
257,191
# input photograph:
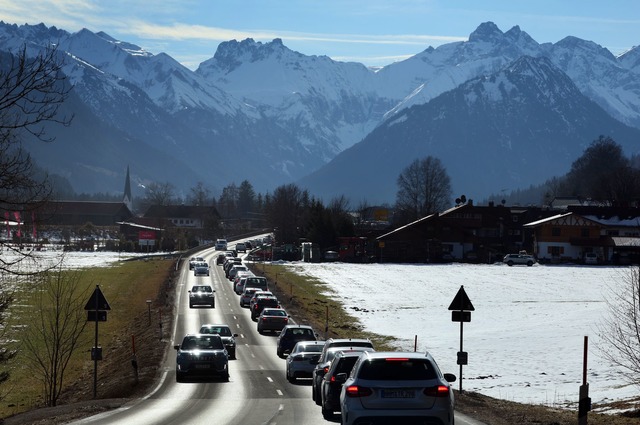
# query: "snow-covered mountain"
502,131
264,113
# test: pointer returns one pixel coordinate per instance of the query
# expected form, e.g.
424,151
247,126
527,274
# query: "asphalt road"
257,392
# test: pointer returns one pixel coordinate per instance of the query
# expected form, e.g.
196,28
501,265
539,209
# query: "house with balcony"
613,234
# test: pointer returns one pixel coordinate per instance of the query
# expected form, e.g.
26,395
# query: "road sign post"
461,309
584,402
96,308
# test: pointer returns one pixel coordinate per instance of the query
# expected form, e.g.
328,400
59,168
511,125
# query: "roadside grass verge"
127,286
309,302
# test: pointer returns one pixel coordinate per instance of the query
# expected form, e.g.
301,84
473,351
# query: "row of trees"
32,91
603,173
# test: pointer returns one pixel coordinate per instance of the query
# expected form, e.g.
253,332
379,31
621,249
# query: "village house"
612,234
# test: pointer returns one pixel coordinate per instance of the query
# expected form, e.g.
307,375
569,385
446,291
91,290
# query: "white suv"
392,386
525,259
221,244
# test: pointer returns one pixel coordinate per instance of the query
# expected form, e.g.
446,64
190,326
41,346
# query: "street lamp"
149,306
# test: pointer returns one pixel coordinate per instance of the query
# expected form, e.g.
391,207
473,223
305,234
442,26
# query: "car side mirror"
176,347
235,335
189,291
450,377
341,378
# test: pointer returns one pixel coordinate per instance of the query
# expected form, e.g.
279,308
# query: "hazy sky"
373,32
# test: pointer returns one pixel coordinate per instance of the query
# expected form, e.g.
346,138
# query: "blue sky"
373,32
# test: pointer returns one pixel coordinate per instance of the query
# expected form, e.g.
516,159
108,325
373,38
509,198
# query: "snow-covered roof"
620,241
546,220
138,226
615,221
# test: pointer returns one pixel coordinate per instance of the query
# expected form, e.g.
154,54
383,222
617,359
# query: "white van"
221,244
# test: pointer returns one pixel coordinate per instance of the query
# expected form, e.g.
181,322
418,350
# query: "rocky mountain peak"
487,31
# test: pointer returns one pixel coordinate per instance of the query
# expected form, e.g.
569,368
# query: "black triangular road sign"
97,301
461,302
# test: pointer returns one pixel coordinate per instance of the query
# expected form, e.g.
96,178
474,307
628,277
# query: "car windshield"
298,333
274,312
253,280
201,289
310,348
202,343
345,364
394,369
220,330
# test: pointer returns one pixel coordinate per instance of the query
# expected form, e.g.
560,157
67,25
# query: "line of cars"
207,351
348,376
362,385
254,293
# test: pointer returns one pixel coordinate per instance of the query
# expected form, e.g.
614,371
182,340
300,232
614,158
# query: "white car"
389,386
235,269
591,258
523,259
221,244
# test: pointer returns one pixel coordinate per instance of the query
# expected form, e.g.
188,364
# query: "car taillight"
286,319
326,369
357,391
437,391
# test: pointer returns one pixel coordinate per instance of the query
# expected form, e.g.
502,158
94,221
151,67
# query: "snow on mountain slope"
321,100
169,84
506,130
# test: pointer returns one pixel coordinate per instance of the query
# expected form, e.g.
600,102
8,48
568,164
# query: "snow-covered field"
525,340
30,260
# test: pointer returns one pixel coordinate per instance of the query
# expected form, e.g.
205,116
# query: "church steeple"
128,199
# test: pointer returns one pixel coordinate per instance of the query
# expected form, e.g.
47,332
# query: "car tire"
225,377
530,263
318,398
510,263
327,414
179,377
213,304
190,305
232,354
260,331
279,354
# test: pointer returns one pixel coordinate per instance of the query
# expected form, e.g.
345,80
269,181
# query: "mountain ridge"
270,115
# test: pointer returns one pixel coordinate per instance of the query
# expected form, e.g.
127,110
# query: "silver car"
523,259
397,386
228,337
303,359
246,296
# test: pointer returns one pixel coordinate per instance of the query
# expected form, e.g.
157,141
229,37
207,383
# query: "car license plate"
203,366
398,393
